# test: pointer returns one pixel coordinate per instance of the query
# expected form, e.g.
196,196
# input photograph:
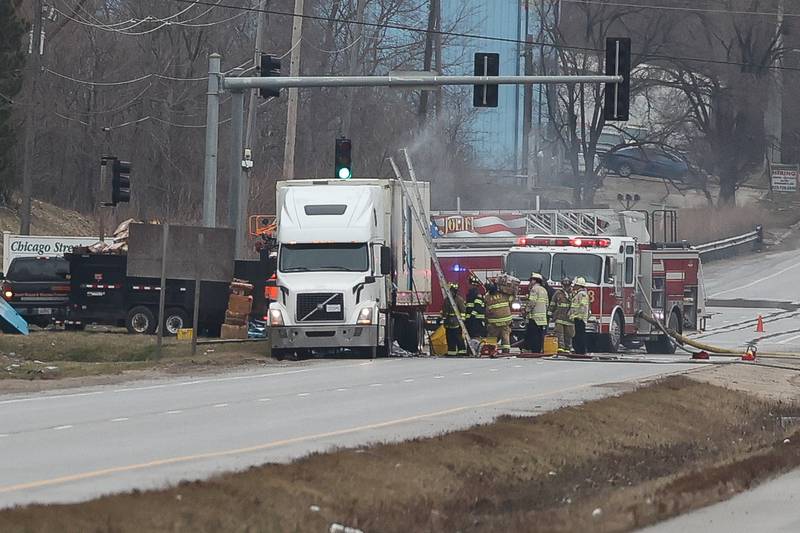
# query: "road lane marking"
219,405
184,383
341,390
3,435
408,380
59,428
264,399
376,385
294,440
517,366
756,282
438,377
790,339
304,394
174,412
467,374
120,419
492,370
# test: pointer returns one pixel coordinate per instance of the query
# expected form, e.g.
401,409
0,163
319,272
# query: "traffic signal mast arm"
243,83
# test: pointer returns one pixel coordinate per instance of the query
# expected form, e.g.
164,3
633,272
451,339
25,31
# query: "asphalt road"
78,444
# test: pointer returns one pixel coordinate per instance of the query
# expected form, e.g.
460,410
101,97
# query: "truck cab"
349,268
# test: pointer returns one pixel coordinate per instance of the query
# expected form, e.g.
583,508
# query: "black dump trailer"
101,292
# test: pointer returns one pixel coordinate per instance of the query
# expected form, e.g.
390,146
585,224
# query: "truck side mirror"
386,260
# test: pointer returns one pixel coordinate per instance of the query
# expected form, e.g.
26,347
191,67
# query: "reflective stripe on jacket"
475,304
537,305
560,306
580,306
498,309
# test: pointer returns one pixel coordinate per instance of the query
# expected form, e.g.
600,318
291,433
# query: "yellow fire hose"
715,350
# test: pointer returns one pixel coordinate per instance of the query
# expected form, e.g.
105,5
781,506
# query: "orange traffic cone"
760,324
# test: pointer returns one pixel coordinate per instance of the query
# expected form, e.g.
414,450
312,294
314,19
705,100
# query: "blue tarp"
10,321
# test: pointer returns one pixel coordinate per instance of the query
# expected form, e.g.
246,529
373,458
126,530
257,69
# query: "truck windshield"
587,266
522,264
324,257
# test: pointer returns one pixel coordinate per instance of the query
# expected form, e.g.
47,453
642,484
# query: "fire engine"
625,270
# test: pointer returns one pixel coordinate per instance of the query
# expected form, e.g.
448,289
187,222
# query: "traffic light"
270,68
344,160
120,182
486,65
618,63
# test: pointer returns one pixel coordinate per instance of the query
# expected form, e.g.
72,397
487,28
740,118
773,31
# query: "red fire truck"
626,272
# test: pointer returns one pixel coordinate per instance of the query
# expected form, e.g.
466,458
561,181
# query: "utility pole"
437,47
527,116
291,113
352,65
35,71
427,62
212,142
773,118
253,103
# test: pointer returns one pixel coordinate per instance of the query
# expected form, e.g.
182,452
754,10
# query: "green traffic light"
345,174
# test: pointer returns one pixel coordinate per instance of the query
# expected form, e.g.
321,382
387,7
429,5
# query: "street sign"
783,178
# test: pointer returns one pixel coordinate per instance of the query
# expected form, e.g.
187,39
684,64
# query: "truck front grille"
320,307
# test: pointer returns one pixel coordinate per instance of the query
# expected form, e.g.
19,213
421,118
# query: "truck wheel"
176,318
611,341
140,320
664,345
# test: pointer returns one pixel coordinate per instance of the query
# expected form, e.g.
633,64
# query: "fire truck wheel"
140,320
611,341
664,345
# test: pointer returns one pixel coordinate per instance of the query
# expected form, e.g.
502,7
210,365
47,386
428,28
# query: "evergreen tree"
12,60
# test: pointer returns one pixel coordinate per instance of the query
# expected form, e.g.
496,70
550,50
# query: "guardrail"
731,245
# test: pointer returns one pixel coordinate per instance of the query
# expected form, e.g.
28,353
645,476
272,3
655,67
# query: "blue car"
651,161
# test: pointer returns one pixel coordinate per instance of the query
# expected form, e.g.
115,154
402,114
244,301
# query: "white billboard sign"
784,177
39,246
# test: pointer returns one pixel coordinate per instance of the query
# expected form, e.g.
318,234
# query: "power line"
679,8
118,83
404,27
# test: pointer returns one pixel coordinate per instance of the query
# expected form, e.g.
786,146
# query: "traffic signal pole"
237,85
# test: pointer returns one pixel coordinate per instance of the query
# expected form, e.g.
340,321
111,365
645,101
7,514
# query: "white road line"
304,394
341,390
467,374
221,405
376,385
53,397
492,370
59,428
790,339
438,377
409,380
3,435
517,366
756,282
120,419
264,399
174,412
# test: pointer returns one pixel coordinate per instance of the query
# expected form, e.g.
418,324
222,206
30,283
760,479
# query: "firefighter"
498,317
455,339
579,313
559,309
476,310
536,311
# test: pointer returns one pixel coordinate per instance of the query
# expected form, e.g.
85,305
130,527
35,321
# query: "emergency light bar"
577,242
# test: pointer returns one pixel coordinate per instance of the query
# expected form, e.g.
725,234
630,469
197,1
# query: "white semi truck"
354,272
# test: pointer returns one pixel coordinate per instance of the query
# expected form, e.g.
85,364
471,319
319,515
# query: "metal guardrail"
721,247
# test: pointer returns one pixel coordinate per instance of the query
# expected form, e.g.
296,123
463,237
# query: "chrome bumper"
345,336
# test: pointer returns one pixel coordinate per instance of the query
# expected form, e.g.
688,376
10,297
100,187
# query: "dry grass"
93,353
519,474
711,224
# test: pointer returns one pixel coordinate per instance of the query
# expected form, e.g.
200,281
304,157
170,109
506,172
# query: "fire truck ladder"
424,227
578,222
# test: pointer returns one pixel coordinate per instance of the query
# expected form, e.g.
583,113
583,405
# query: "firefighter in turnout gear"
560,310
455,338
579,313
476,309
536,312
498,317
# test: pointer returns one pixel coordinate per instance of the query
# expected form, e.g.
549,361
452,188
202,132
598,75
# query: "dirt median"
609,465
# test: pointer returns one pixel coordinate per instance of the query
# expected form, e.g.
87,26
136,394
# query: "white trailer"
353,271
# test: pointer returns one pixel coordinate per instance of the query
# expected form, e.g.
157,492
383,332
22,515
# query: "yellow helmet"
579,282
